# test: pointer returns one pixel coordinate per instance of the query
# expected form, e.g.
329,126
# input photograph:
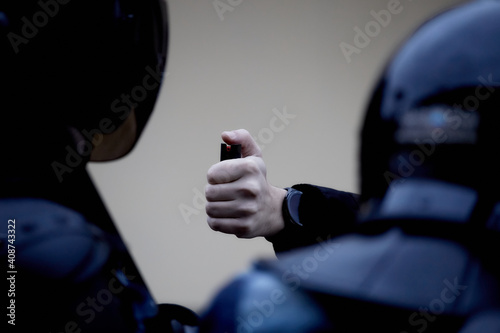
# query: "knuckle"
251,166
211,175
250,189
220,173
214,210
209,209
209,192
213,224
244,132
246,194
249,209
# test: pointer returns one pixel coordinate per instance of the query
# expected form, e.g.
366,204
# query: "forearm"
324,213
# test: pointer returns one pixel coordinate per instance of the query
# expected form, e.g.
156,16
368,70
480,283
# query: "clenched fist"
240,201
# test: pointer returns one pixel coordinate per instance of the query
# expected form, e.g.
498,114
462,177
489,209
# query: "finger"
248,145
225,172
229,171
230,209
222,209
220,192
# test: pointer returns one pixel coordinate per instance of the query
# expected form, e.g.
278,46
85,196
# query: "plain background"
274,67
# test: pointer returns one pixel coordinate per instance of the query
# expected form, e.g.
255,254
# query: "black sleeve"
324,213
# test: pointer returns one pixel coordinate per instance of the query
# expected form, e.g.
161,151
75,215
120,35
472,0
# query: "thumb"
248,145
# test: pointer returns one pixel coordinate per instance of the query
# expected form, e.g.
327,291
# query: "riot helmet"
76,73
433,117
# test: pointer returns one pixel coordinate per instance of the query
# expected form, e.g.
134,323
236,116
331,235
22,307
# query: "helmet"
434,114
75,72
78,81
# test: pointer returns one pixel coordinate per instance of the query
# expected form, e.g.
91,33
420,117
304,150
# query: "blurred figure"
78,82
417,251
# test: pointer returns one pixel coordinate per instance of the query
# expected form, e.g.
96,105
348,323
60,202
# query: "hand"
240,201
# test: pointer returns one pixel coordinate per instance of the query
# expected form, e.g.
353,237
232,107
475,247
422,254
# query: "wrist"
292,227
277,222
290,207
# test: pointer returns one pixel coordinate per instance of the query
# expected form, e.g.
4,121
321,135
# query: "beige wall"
274,67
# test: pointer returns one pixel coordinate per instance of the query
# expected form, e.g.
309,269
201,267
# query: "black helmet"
435,113
78,81
75,72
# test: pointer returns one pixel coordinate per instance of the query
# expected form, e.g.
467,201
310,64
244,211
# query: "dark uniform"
72,74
